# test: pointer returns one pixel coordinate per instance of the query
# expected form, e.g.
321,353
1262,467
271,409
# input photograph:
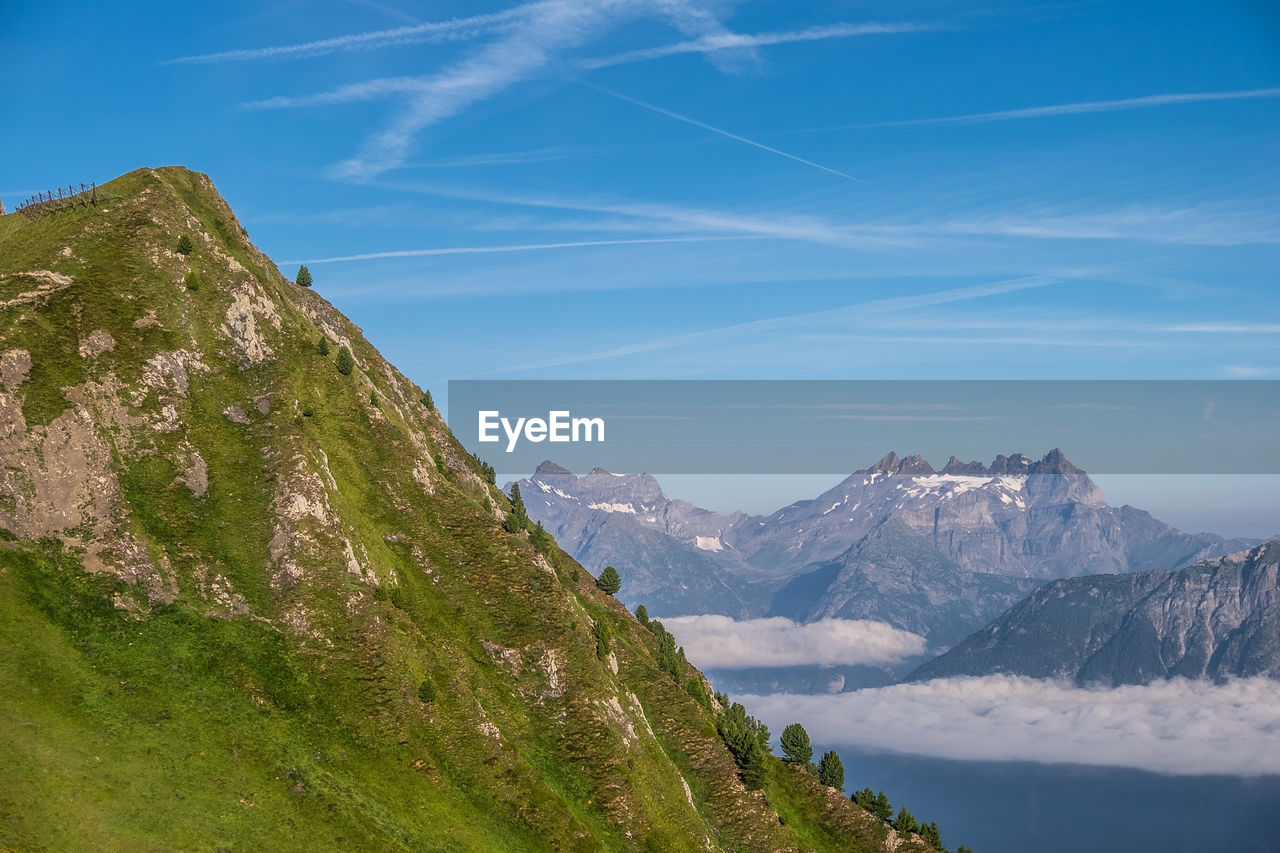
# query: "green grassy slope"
248,602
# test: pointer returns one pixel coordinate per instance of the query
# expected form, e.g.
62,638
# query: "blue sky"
756,189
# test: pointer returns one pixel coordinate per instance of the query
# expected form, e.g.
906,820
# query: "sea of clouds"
1175,727
721,642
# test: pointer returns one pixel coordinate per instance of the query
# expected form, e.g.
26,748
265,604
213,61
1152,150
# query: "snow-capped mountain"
1016,517
669,552
938,552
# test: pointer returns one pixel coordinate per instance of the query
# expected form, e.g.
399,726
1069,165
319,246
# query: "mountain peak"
892,465
955,466
887,464
148,321
1014,465
1055,462
550,469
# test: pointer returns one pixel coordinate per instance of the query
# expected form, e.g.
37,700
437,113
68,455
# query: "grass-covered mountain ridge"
255,596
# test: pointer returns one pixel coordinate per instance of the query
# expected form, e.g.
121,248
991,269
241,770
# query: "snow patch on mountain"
708,543
954,485
613,507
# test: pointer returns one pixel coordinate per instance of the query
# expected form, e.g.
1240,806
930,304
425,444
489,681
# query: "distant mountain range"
1216,619
936,552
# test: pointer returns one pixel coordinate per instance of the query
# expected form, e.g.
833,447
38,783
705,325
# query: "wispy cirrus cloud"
1077,108
539,37
1252,371
366,90
437,96
1198,225
1223,328
782,226
810,323
551,24
1201,225
739,41
456,29
721,642
1172,727
519,247
1097,106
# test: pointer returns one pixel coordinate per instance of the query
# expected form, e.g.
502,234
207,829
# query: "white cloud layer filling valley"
1177,727
721,642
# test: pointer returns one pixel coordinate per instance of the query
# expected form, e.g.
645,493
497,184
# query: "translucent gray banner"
833,427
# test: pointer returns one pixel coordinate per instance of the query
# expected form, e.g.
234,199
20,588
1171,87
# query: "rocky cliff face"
248,599
1217,619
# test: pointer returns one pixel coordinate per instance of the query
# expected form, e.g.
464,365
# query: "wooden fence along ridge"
59,199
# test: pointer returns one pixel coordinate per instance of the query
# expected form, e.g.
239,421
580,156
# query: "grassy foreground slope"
248,601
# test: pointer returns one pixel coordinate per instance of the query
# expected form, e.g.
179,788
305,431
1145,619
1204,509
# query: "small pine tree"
905,821
192,281
929,832
323,346
185,246
642,615
609,580
698,691
754,769
346,361
866,798
426,693
518,518
304,276
795,744
428,402
541,540
883,809
668,656
373,399
831,771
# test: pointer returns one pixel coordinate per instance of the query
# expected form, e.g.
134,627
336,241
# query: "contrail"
1098,106
523,247
1082,107
611,93
456,28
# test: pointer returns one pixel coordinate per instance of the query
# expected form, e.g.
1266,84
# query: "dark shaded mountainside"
254,595
1217,619
935,552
